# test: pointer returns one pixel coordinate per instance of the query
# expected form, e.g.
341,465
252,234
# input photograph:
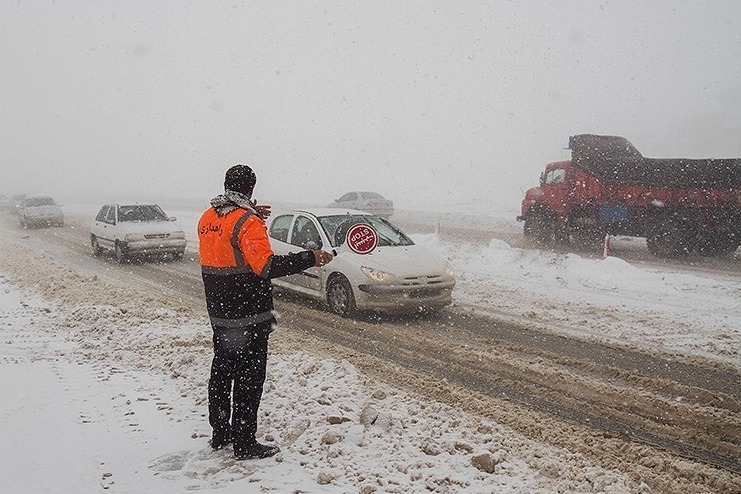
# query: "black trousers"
235,387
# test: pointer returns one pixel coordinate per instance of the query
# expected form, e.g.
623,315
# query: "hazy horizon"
430,103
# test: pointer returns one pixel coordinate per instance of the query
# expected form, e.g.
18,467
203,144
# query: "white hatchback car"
136,230
376,266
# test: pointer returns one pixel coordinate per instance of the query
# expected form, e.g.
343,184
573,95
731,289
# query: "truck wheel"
671,241
718,245
541,229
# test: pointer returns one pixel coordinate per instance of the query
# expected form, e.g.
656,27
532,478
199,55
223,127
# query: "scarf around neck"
230,200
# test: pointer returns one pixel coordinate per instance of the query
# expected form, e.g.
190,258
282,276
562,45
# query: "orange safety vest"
234,243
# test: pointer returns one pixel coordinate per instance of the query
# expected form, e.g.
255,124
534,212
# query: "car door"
305,236
22,209
556,189
105,223
279,229
96,227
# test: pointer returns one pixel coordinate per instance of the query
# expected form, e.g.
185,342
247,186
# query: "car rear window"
40,201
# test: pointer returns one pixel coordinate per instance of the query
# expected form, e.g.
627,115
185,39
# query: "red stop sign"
361,238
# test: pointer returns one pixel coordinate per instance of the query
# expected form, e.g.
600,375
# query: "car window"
38,201
153,212
350,196
101,214
305,234
110,216
336,228
372,195
279,227
141,212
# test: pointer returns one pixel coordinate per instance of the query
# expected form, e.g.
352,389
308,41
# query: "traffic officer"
237,264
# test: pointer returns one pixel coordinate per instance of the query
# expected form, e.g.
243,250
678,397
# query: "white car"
130,230
371,202
39,211
376,266
13,202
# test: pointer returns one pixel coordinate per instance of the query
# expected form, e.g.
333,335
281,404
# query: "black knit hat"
240,178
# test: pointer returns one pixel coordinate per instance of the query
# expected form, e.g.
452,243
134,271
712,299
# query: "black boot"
255,452
220,440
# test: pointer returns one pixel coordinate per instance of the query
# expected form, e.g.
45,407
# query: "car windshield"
139,212
336,227
40,201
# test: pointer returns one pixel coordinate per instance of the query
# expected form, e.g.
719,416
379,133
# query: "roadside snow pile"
138,373
604,298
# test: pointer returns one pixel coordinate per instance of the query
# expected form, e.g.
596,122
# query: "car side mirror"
172,218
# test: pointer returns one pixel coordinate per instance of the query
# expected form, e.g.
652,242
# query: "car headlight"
377,275
177,234
449,270
133,237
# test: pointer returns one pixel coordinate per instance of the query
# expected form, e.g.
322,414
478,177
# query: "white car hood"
402,261
150,227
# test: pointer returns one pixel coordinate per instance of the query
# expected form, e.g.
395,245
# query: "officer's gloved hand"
262,209
321,257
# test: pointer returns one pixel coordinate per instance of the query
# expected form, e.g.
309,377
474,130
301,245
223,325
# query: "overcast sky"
431,103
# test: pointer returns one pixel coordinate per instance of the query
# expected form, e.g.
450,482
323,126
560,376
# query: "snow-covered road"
132,338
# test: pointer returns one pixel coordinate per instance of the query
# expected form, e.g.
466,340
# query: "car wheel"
340,297
96,246
120,254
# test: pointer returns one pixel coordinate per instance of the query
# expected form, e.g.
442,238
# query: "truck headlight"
177,234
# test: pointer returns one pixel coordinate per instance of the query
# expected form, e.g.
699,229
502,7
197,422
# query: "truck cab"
545,207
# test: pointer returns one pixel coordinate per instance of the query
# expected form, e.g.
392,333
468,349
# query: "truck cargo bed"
614,158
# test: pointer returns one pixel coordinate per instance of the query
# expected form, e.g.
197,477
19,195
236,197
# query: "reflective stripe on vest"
238,256
242,322
226,271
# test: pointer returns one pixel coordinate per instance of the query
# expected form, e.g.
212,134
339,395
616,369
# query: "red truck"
608,188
